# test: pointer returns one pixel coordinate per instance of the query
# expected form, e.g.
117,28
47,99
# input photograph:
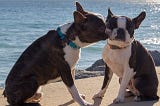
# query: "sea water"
23,21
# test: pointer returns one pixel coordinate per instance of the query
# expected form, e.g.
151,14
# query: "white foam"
155,41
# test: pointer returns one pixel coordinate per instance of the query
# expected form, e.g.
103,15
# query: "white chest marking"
71,56
117,60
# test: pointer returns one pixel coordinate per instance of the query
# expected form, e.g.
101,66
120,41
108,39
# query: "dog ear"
137,20
110,14
78,17
80,8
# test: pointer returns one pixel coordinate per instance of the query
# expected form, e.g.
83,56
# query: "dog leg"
147,89
20,92
127,76
129,90
76,96
133,90
65,73
73,76
36,97
107,78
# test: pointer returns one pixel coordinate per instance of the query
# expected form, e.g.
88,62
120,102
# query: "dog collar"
63,37
114,47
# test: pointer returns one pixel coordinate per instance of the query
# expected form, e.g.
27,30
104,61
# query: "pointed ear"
137,21
110,14
78,17
80,8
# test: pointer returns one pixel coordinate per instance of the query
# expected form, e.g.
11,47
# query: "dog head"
88,27
120,29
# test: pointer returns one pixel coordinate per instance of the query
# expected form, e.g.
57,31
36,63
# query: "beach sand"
56,94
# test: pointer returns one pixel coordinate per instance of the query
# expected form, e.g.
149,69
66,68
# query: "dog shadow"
97,102
29,104
129,102
68,103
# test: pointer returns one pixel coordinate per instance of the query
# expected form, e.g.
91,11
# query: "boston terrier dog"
53,57
128,59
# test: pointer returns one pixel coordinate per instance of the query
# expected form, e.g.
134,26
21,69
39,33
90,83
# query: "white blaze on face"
121,21
122,24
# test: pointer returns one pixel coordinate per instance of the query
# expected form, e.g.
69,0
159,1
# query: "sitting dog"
53,57
128,59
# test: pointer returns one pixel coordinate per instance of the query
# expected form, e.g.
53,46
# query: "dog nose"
120,34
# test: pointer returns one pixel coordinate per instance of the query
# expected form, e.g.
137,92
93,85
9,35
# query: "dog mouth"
119,42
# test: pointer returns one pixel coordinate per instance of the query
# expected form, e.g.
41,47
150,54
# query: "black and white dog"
53,57
128,59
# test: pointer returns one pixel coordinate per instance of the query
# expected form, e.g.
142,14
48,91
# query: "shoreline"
98,67
56,94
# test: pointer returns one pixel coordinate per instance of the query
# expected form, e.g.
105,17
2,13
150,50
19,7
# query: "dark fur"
44,59
145,80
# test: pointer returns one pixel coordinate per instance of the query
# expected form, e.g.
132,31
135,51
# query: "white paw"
137,99
118,100
86,104
83,96
98,95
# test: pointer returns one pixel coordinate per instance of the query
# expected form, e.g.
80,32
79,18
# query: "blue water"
23,21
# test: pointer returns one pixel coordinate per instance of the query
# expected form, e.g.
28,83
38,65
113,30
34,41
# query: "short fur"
49,58
128,59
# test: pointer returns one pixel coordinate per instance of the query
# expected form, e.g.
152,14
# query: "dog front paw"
137,99
83,96
118,100
85,103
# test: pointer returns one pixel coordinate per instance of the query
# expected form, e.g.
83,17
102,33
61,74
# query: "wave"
154,41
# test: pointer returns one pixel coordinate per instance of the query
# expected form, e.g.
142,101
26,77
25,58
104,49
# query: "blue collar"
63,36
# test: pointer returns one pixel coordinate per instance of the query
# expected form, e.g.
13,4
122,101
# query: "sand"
56,94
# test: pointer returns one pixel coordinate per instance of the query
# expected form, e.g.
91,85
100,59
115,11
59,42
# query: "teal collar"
63,37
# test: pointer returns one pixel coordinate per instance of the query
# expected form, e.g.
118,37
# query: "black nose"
121,34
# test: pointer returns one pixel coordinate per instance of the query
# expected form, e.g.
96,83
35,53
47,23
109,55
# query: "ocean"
23,21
